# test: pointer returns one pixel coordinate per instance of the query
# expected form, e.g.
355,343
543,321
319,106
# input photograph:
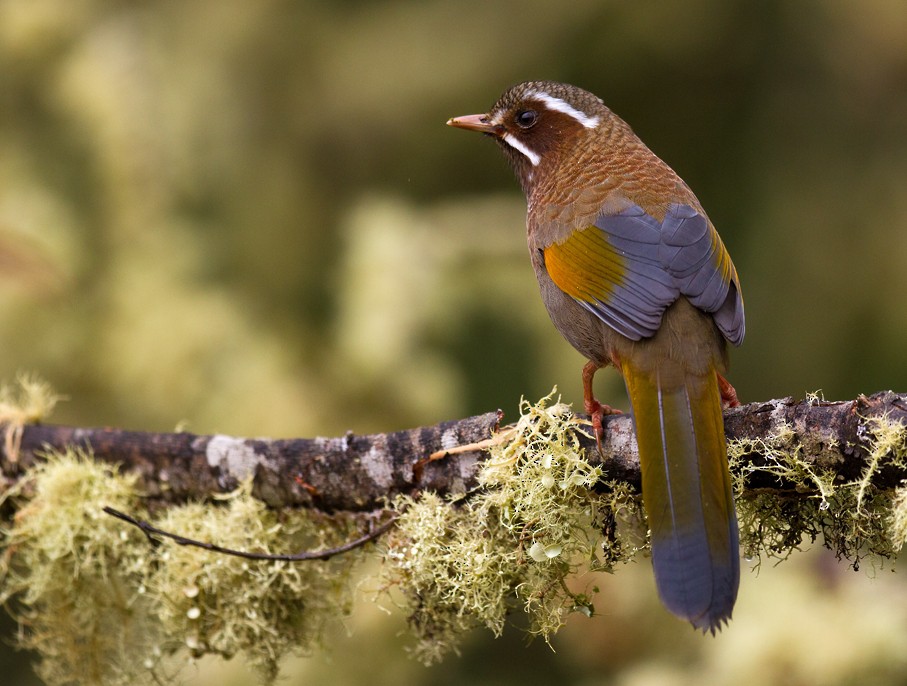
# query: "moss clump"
68,573
854,518
898,518
265,609
515,542
27,401
103,606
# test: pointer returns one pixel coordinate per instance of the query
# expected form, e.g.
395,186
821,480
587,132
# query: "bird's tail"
686,490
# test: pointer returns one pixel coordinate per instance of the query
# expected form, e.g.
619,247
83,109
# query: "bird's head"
537,122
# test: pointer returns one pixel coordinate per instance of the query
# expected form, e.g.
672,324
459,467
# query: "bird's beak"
475,122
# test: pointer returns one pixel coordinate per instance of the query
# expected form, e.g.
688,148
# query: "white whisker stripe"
516,144
559,105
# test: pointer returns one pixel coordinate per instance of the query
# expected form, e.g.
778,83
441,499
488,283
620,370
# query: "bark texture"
355,473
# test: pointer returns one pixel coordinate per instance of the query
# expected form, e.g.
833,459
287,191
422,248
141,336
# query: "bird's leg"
728,394
595,409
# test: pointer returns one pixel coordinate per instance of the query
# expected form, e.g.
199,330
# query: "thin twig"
500,437
151,531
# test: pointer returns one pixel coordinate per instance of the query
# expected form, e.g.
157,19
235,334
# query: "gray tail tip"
711,625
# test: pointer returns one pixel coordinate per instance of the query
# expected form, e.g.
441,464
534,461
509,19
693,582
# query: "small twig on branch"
357,473
500,436
151,531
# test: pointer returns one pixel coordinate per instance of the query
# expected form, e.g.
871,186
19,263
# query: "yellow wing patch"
722,260
586,266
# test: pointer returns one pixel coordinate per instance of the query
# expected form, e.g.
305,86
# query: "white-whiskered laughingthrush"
634,275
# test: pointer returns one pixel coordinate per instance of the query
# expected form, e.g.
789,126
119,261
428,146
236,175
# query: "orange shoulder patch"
586,266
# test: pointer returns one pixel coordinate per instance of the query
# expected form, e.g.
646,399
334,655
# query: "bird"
634,275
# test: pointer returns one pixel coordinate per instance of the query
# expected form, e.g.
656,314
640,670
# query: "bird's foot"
728,393
597,411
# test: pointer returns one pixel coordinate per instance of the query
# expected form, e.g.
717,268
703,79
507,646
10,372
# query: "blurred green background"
249,217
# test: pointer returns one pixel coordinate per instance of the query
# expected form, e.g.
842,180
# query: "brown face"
533,120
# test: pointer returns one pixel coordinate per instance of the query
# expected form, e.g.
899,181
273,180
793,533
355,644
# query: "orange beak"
475,122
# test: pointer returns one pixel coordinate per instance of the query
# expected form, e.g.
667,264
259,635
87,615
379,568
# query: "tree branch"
354,473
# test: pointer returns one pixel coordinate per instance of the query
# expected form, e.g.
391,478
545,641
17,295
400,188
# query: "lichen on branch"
543,512
100,604
498,527
540,514
854,517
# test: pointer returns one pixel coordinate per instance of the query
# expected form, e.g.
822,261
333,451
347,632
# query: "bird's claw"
728,393
597,411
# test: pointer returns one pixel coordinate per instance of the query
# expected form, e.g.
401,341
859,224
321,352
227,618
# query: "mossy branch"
357,473
542,507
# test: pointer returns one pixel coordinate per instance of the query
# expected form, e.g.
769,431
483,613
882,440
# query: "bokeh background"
249,217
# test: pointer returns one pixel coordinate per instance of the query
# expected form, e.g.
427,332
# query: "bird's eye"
526,118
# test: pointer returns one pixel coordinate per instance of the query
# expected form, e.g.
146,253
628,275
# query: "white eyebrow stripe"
559,105
516,144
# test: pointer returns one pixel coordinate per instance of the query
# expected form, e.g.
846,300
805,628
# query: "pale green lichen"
854,518
27,401
897,522
516,541
101,605
521,538
68,572
265,609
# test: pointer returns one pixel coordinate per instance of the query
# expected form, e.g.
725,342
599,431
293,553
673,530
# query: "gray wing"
682,255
